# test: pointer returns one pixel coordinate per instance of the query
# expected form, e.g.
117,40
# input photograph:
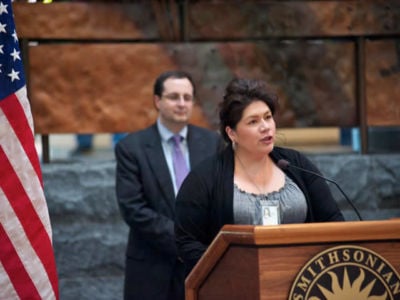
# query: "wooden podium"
264,262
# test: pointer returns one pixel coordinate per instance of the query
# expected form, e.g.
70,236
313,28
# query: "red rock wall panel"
100,86
95,62
383,82
227,19
96,87
86,20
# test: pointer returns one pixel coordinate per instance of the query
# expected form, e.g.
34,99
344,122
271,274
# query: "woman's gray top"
248,207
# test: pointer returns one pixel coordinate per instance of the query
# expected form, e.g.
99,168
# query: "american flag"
27,264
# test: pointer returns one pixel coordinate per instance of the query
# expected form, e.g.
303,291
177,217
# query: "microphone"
284,164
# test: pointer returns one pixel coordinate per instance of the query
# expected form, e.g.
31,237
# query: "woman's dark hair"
239,94
159,83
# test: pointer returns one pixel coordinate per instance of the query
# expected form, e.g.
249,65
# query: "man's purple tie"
180,167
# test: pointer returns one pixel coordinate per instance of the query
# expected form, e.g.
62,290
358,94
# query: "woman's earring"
234,145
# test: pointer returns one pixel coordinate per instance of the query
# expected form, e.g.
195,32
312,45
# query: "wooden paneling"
276,282
243,274
273,256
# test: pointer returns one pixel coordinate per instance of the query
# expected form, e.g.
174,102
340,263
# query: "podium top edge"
312,232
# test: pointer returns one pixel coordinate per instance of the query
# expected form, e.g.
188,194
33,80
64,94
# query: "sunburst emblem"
348,290
346,272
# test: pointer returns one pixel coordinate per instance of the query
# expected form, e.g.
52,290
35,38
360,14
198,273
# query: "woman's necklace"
267,210
249,177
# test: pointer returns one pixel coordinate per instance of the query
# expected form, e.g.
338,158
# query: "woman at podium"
250,181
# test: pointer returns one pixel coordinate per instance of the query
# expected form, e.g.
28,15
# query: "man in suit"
146,186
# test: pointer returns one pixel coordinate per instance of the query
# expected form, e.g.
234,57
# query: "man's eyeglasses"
177,97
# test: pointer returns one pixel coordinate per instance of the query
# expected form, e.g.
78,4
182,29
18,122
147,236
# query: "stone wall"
90,237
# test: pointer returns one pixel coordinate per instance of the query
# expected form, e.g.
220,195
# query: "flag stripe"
16,155
31,224
22,181
16,112
7,290
12,263
24,252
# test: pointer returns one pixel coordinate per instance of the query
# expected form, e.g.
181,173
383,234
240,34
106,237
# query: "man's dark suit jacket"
146,199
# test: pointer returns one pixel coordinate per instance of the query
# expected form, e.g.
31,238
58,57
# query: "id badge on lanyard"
271,212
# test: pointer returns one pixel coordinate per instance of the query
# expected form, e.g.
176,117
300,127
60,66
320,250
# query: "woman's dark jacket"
205,200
